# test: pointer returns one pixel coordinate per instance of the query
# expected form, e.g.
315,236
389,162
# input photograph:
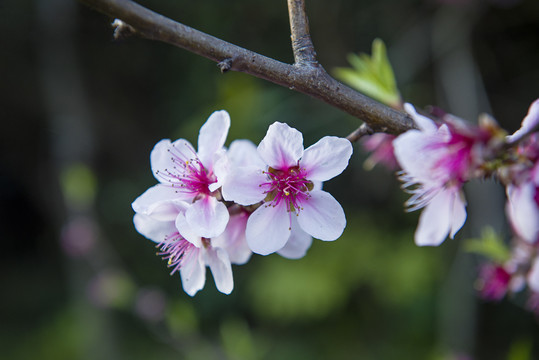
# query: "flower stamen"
288,185
176,250
188,174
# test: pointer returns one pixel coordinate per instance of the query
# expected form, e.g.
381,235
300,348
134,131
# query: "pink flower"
493,282
523,190
242,156
188,253
286,178
523,206
435,165
381,146
185,174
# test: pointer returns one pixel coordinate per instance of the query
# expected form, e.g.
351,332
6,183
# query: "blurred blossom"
150,304
79,236
523,179
437,160
435,163
530,122
110,288
523,206
381,146
493,282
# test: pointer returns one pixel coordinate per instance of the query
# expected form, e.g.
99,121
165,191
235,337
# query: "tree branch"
302,45
361,131
310,80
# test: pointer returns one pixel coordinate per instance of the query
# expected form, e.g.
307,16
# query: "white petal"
168,210
327,158
221,269
158,201
193,272
533,276
523,211
439,217
165,156
221,168
233,239
244,186
531,120
241,154
160,156
212,137
422,122
282,146
268,229
185,230
458,213
409,151
155,194
418,153
322,216
207,217
244,153
153,229
298,243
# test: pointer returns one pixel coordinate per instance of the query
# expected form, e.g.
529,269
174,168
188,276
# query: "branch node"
122,30
363,130
225,65
304,51
302,45
305,75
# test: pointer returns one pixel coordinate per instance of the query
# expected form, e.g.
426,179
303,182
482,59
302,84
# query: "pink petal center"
456,161
188,174
493,282
288,185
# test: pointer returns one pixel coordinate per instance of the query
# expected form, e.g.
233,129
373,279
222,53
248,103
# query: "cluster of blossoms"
215,206
437,159
520,175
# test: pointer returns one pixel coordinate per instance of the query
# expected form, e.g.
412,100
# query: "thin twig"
361,131
302,45
310,80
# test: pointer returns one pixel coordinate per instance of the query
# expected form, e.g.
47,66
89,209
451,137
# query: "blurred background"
81,112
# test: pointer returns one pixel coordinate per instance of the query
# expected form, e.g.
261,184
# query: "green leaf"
490,245
372,75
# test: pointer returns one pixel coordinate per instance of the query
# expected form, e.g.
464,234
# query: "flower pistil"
289,185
